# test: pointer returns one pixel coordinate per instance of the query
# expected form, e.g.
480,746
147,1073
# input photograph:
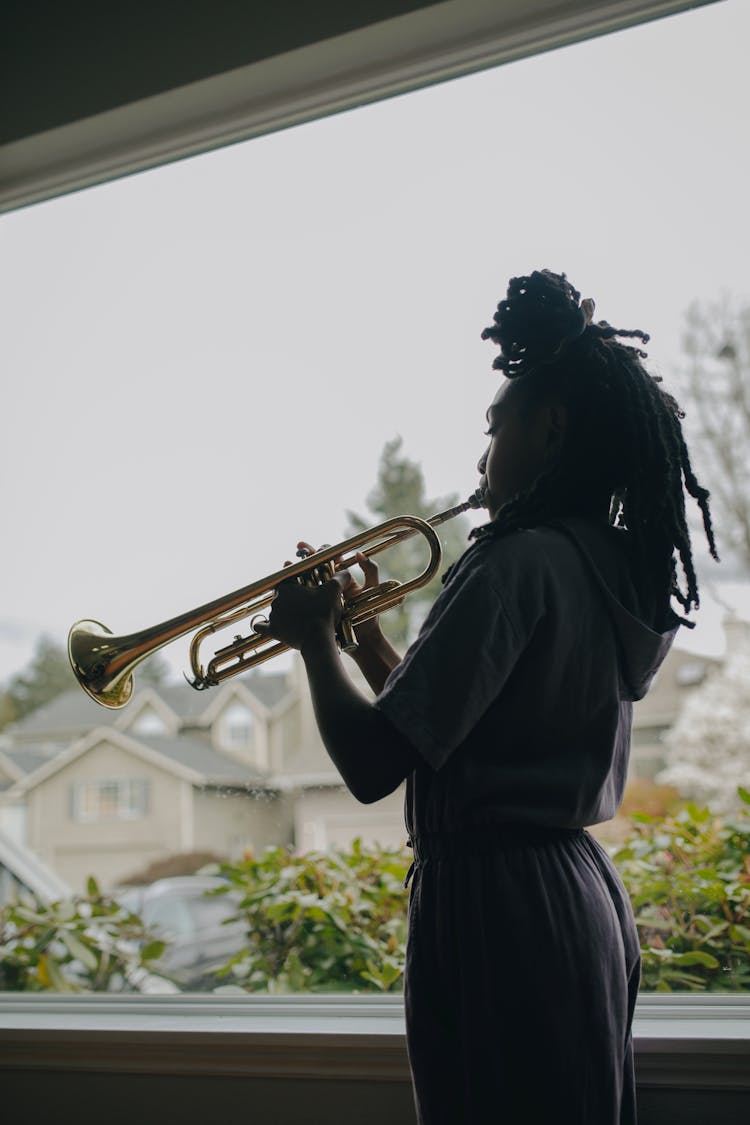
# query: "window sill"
681,1041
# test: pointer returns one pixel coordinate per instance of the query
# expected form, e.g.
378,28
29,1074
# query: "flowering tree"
713,387
708,748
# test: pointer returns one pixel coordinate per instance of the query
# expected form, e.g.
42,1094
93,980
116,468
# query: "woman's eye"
490,432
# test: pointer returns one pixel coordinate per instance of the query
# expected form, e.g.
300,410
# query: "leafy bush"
320,922
336,921
688,877
87,944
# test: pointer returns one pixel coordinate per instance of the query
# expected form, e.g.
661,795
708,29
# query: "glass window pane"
264,320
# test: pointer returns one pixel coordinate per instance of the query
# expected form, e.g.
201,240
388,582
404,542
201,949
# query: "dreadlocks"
624,440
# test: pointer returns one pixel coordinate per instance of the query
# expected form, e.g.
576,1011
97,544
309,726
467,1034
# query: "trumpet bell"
104,664
92,658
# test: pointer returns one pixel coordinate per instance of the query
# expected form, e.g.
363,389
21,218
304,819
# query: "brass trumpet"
103,664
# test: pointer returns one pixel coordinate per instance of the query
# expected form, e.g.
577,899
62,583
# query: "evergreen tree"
48,674
400,490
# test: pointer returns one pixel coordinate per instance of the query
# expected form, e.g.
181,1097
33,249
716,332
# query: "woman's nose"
482,462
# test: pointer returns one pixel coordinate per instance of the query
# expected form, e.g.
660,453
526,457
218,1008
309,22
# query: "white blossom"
708,747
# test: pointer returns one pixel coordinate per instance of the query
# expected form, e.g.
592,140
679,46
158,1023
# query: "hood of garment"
644,632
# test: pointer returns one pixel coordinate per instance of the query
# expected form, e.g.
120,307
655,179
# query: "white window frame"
682,1041
228,725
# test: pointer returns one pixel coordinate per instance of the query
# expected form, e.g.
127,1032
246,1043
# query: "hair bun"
540,315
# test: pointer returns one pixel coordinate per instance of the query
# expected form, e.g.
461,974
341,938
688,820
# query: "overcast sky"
203,362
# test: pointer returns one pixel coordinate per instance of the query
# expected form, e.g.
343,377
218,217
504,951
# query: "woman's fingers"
303,548
298,609
369,570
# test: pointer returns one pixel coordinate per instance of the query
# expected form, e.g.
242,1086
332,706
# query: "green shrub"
688,877
336,921
87,944
320,922
325,922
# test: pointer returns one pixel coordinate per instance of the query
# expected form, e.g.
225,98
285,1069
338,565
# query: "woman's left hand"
298,613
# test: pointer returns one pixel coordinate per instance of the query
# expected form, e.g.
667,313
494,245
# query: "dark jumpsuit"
523,962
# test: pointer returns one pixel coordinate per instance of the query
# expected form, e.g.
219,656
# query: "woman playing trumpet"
509,717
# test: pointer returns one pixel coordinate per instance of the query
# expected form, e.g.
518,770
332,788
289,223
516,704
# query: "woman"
510,715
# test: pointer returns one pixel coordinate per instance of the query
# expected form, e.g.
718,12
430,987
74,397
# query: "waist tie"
481,839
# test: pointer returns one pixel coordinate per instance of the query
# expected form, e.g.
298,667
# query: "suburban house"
91,791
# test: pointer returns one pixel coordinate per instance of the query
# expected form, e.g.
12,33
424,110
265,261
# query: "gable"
108,757
149,714
149,721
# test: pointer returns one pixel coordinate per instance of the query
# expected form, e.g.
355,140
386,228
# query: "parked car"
22,872
195,924
27,883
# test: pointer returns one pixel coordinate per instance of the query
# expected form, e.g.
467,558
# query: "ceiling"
94,91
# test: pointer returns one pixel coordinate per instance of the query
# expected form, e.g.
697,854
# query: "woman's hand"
369,632
300,613
375,655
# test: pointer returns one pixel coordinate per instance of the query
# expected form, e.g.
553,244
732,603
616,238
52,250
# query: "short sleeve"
459,663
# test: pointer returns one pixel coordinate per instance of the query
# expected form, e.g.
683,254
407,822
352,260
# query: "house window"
110,799
149,722
237,727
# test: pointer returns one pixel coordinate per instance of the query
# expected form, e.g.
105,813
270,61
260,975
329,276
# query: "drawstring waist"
480,839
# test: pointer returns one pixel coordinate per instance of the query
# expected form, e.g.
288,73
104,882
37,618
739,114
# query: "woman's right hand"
369,632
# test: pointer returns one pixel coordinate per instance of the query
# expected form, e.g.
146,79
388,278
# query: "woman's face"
524,438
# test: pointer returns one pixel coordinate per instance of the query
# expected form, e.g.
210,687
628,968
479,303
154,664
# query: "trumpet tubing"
103,664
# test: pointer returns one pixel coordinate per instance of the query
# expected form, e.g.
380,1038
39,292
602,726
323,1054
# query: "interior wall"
65,61
43,1096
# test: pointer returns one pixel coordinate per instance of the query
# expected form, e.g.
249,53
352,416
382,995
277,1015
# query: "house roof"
267,687
189,757
66,714
73,712
199,756
27,759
